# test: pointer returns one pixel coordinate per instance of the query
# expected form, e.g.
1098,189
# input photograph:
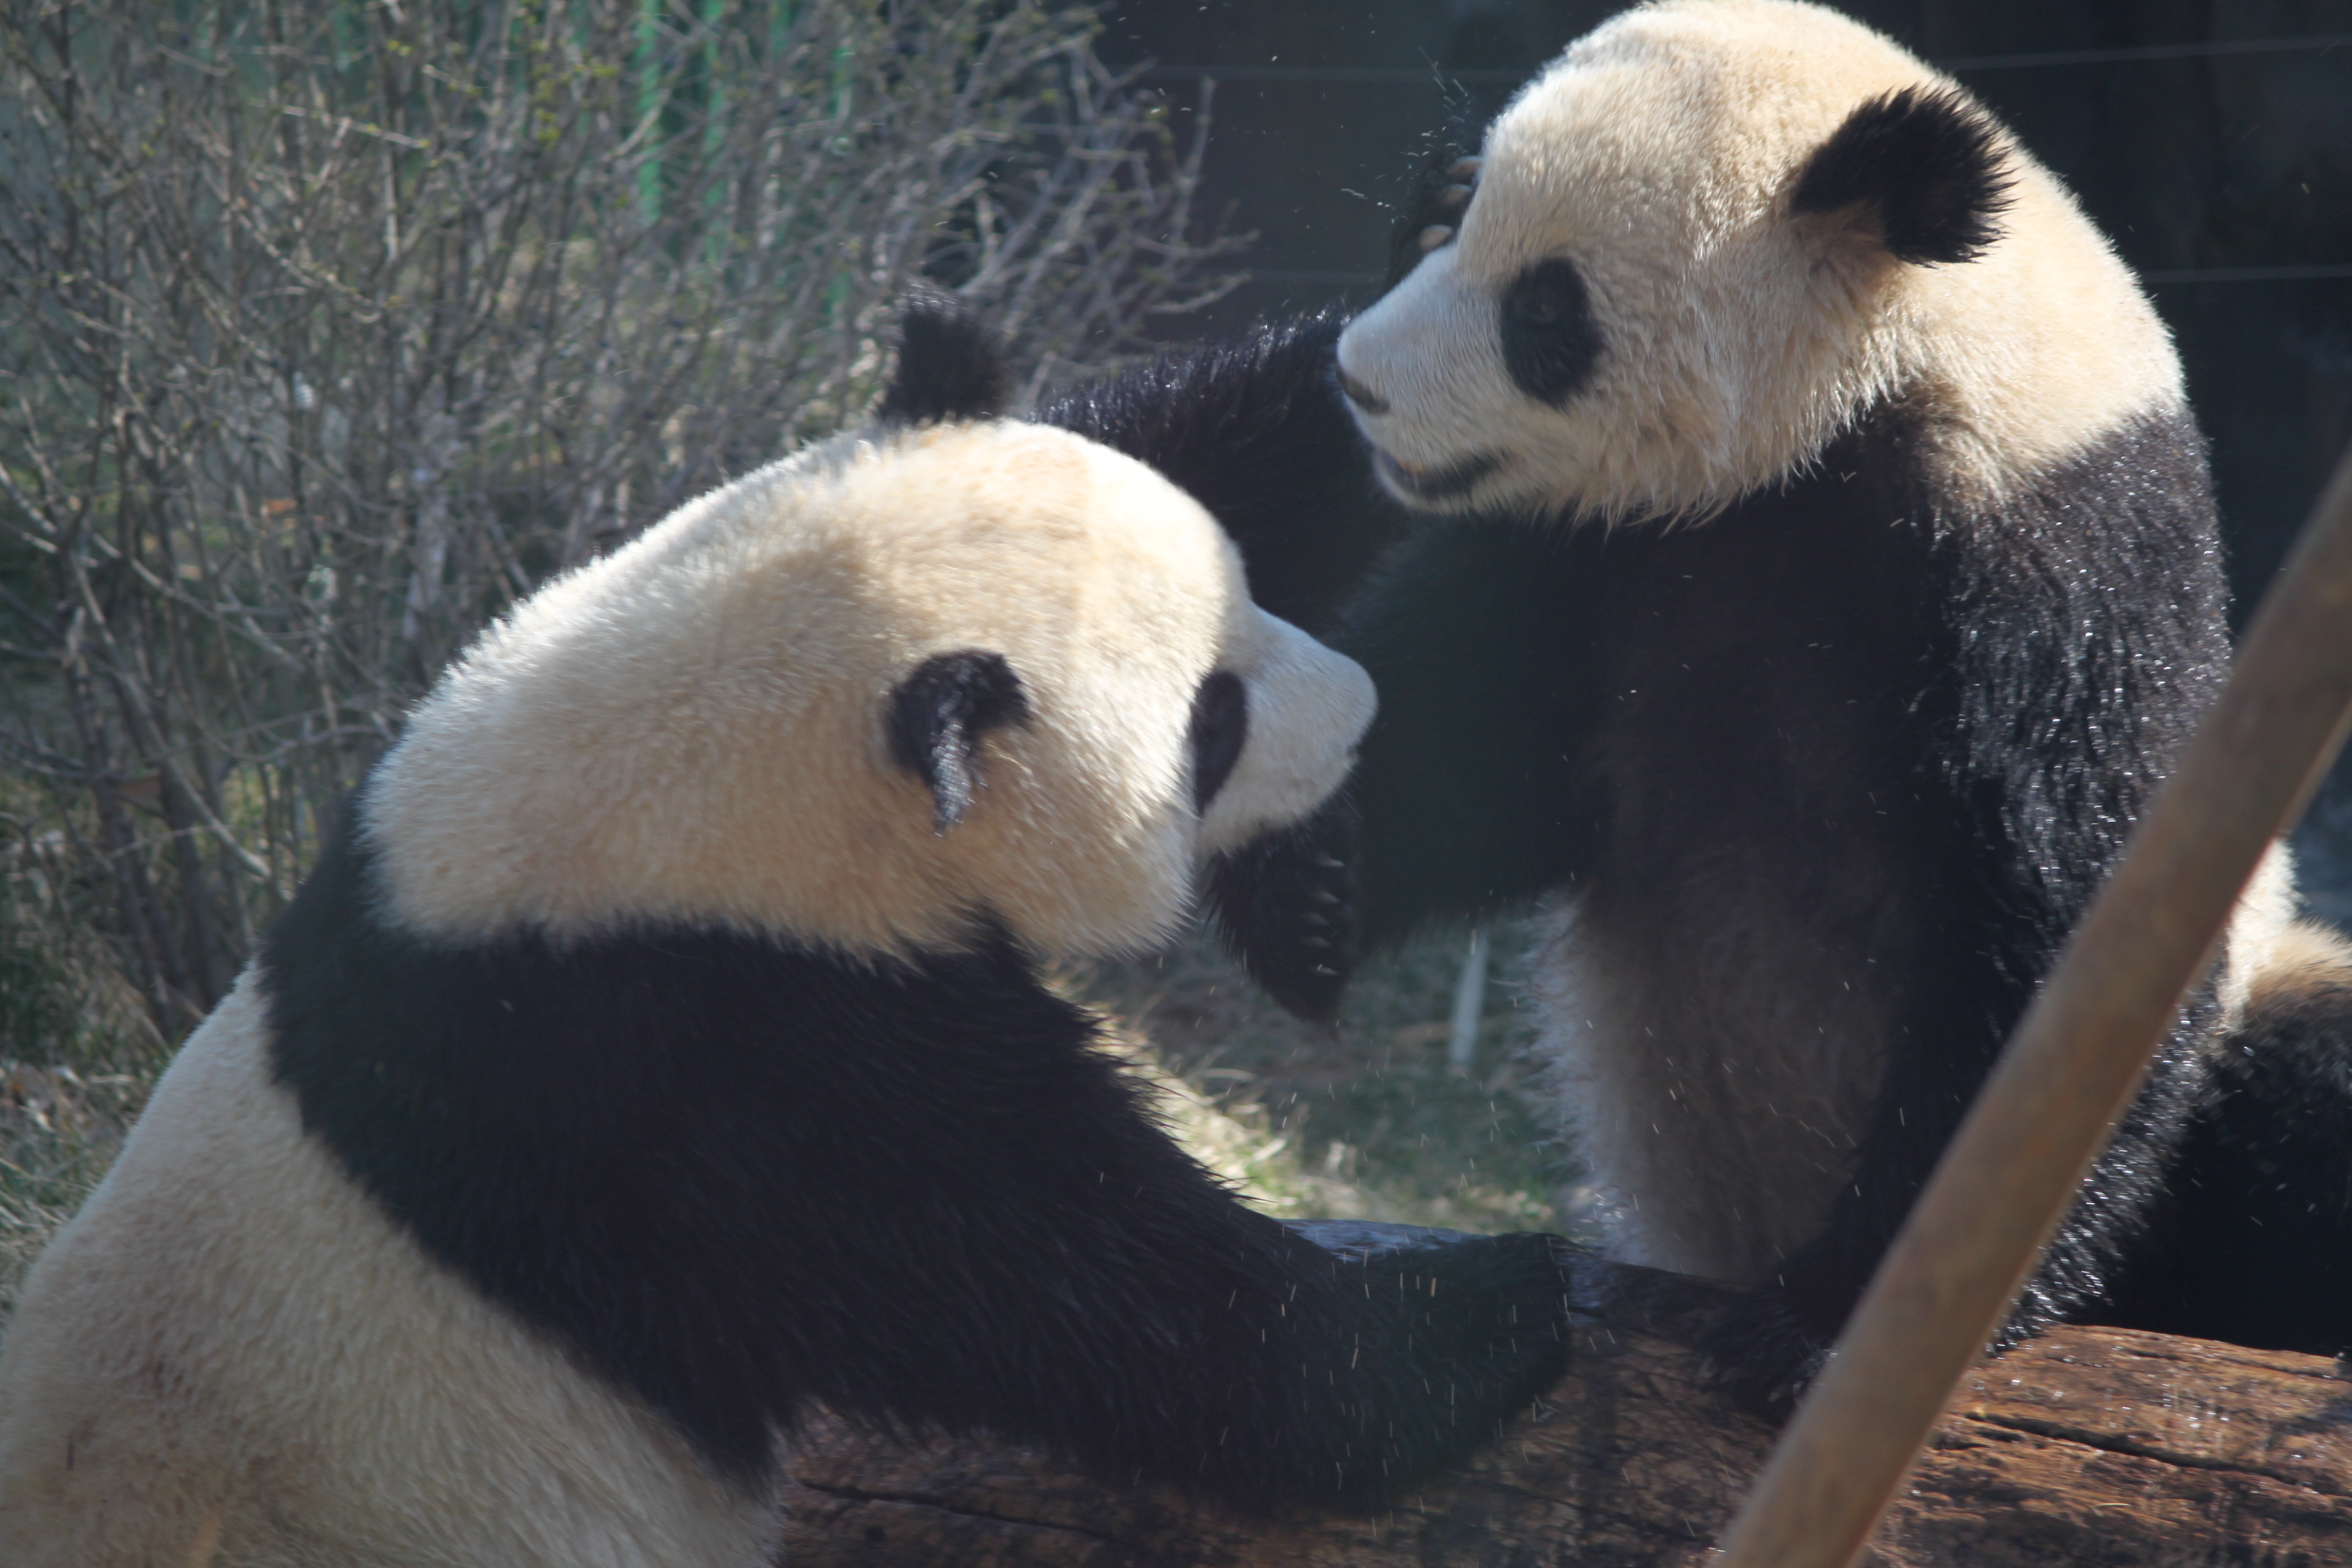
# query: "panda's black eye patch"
1551,342
1220,730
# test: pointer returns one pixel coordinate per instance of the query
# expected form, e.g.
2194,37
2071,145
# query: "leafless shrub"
328,327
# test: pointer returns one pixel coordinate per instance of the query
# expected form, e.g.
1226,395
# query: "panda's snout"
1364,399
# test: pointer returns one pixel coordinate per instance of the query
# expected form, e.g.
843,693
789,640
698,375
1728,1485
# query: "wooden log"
2090,1447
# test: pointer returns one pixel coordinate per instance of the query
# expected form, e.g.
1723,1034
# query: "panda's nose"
1365,400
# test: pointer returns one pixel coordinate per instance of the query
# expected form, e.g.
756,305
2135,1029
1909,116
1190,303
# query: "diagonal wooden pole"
2071,1066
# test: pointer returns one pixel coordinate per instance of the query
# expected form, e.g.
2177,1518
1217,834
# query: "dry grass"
1366,1120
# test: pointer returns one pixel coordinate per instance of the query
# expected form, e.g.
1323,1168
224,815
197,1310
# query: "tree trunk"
2088,1446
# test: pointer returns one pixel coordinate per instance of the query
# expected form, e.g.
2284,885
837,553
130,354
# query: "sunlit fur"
234,1358
736,650
1660,154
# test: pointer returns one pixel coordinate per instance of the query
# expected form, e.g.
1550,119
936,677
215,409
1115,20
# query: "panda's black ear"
938,715
1922,171
950,365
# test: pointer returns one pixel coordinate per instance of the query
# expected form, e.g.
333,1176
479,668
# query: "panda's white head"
1704,241
916,676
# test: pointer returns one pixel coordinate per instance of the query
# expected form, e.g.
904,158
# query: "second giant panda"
659,1047
1830,575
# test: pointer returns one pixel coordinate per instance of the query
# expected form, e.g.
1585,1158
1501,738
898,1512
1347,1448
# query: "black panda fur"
1842,746
2251,1239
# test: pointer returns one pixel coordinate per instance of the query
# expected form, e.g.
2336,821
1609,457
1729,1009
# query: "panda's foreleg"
1288,907
1465,797
1444,176
2068,640
1086,1284
1471,787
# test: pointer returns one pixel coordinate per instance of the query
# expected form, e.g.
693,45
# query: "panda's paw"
1443,184
1454,1340
1500,1303
1762,1353
1462,183
1286,907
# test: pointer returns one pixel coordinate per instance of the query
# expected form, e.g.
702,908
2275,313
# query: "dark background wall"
2211,139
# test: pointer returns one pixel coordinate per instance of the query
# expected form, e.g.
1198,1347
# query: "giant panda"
659,1047
1825,573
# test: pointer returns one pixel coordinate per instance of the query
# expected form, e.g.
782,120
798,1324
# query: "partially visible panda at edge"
659,1048
1836,574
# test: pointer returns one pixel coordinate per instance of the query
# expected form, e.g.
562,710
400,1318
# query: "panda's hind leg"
2255,1245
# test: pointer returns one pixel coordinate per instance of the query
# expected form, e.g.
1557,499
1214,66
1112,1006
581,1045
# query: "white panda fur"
271,1339
1661,150
1831,573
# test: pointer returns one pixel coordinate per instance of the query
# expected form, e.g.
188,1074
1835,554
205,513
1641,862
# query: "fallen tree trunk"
2089,1446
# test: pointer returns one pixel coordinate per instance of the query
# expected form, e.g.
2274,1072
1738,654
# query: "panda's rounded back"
693,729
1731,335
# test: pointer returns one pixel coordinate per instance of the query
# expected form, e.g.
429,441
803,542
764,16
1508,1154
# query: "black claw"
1285,908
